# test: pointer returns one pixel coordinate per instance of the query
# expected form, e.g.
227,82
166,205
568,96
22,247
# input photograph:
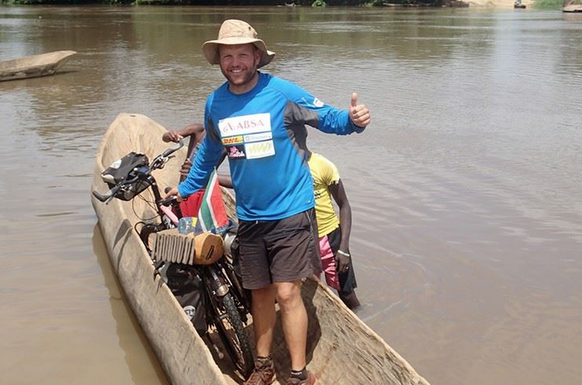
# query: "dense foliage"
551,4
314,3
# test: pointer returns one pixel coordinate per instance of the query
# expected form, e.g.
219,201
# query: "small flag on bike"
212,215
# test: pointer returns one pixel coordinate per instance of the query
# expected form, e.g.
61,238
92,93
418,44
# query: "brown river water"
465,189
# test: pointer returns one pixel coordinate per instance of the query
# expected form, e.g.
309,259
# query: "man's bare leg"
263,310
294,321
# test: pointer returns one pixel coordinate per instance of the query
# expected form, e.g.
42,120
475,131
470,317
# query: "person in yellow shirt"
333,232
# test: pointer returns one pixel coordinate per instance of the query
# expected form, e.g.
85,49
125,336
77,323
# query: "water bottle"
186,225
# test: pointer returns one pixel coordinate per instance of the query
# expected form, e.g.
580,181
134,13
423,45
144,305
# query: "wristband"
344,253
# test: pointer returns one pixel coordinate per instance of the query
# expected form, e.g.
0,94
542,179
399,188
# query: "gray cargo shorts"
283,250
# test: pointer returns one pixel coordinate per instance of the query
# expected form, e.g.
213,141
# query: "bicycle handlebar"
160,160
102,197
157,163
111,193
172,150
168,201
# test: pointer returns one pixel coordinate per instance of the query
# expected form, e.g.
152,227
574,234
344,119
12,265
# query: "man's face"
238,64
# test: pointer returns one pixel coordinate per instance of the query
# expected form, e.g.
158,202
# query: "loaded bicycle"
215,287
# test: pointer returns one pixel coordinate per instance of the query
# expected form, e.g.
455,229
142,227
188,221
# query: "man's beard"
238,80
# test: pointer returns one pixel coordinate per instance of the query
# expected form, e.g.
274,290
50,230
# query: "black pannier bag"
125,169
186,284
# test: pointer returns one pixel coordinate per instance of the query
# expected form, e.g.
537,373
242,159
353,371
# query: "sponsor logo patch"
190,311
260,149
317,102
236,152
248,124
232,140
258,137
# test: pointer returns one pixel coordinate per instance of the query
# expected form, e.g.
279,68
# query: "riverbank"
471,3
497,3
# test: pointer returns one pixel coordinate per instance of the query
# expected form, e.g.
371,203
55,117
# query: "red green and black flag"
212,215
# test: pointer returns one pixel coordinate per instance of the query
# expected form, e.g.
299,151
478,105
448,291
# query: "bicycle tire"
242,294
233,335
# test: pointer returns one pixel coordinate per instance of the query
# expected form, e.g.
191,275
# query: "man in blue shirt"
260,120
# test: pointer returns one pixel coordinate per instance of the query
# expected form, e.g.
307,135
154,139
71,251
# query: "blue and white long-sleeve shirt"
264,134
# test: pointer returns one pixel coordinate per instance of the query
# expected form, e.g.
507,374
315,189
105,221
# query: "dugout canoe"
571,6
34,66
341,348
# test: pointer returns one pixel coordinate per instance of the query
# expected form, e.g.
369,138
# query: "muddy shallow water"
465,189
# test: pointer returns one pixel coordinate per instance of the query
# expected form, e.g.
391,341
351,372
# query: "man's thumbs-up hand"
359,113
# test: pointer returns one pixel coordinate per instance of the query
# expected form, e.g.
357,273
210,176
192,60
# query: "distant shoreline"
497,3
470,3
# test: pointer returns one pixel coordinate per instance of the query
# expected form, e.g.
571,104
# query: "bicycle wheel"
240,294
233,335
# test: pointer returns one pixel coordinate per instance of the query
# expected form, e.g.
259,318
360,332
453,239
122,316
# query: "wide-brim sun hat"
234,32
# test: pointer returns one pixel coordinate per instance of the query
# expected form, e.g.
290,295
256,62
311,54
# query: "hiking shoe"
263,374
310,380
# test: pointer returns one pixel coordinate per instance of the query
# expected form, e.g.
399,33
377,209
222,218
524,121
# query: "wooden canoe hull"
341,348
34,66
572,8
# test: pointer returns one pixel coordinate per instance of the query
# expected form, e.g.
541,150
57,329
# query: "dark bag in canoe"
186,284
